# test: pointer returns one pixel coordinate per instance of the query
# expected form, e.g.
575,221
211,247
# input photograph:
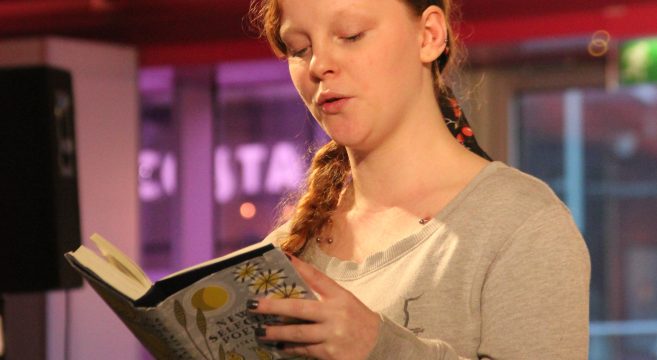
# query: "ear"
433,35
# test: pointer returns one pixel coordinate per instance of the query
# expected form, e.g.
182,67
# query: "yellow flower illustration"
246,271
288,291
266,281
234,355
263,354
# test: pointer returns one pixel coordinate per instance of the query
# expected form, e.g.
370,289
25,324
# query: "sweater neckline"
346,270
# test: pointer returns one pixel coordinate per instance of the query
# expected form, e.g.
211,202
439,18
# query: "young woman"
417,246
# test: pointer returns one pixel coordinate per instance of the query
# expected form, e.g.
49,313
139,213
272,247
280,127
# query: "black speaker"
39,212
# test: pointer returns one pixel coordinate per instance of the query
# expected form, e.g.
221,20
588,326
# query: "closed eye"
298,53
354,37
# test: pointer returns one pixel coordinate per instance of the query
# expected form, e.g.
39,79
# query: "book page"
121,261
108,273
205,317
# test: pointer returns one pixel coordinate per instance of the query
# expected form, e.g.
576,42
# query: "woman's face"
356,65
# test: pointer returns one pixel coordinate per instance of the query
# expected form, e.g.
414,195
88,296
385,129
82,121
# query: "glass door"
598,150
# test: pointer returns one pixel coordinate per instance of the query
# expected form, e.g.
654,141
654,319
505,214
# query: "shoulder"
504,192
534,215
504,203
278,234
507,189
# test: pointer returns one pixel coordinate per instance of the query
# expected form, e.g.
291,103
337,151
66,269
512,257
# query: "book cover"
198,313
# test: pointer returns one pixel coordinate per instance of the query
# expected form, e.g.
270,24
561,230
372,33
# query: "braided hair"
330,169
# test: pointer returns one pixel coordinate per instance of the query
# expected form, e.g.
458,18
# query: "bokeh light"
599,44
248,210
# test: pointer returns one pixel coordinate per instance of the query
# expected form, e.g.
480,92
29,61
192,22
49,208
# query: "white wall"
106,114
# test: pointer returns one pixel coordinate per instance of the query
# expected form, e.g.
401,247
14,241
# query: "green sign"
638,61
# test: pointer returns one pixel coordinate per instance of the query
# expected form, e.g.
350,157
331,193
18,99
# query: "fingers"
317,280
305,340
312,350
302,309
297,334
335,320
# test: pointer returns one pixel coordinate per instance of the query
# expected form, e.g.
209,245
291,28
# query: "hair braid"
330,166
326,178
456,121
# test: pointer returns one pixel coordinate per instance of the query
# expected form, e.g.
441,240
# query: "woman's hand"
341,327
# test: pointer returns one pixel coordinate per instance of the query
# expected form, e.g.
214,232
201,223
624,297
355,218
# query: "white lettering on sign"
272,171
151,163
285,169
249,169
250,157
224,181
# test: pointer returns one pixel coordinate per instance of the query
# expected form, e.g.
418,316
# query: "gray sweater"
500,273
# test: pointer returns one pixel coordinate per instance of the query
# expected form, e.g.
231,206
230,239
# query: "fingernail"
252,304
276,345
260,331
274,321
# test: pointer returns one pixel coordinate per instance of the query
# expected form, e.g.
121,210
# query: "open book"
199,312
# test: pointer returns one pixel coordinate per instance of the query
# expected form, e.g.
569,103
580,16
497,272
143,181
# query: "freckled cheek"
304,89
307,95
371,74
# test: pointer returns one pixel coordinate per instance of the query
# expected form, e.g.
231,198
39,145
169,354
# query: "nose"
322,62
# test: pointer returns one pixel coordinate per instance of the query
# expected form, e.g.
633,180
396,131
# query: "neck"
423,158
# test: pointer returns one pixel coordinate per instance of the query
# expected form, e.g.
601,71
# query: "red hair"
330,169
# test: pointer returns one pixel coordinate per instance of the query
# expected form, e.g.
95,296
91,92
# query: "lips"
328,97
331,102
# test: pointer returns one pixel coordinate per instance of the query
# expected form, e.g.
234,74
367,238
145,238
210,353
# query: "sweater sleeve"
534,301
397,342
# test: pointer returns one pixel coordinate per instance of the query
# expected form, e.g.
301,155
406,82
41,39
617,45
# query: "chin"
354,145
343,138
353,137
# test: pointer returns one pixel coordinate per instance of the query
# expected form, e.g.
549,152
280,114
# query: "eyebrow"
340,15
287,30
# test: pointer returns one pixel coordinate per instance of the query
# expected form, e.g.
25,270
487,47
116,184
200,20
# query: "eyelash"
355,37
351,38
298,53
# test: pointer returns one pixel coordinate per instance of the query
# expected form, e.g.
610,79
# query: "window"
598,150
221,147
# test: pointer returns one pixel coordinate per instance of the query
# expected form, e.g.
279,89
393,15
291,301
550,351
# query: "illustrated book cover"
196,313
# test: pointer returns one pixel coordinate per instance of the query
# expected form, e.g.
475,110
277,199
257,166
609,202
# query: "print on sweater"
407,316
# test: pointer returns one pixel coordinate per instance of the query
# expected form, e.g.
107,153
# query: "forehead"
328,6
302,13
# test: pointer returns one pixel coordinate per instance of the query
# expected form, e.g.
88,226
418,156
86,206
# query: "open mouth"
334,105
332,100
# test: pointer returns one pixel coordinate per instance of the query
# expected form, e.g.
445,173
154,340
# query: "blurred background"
188,133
